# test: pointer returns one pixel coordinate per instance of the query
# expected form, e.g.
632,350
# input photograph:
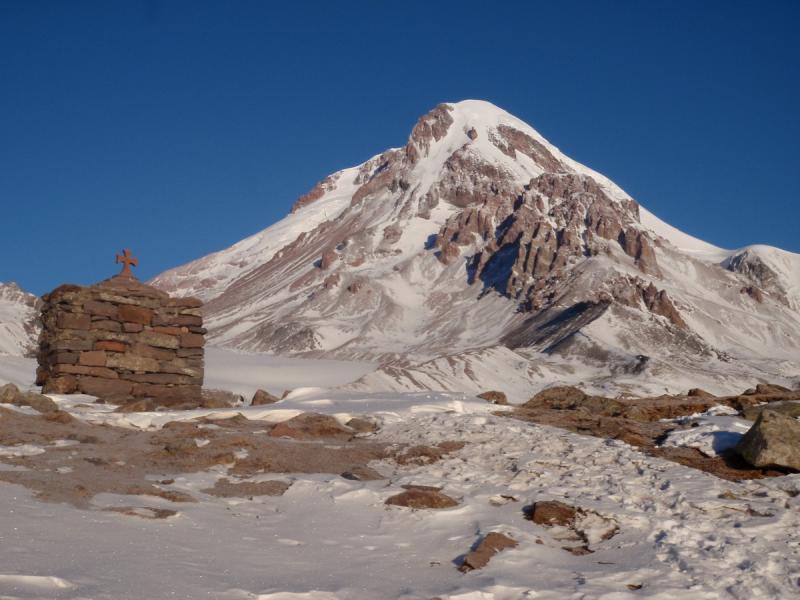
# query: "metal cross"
127,260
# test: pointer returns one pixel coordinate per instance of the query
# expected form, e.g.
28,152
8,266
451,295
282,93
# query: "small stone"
551,512
101,309
8,393
135,314
699,393
105,325
262,397
483,553
37,402
132,362
361,425
63,384
111,346
168,330
58,416
74,321
418,498
494,397
192,340
92,358
220,399
362,473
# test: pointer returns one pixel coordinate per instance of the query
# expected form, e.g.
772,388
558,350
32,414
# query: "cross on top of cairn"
127,259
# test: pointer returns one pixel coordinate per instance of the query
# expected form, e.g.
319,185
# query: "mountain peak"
479,232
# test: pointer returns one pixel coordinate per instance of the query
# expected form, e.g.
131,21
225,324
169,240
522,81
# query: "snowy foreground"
682,533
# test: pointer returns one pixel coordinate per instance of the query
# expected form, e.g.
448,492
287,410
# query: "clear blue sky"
178,128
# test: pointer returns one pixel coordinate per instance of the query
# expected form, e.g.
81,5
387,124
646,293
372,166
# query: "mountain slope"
18,326
480,233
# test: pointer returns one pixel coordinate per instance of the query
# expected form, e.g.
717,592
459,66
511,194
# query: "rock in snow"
772,441
489,546
262,397
419,496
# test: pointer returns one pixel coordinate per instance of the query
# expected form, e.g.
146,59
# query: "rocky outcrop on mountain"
478,233
19,320
757,271
318,191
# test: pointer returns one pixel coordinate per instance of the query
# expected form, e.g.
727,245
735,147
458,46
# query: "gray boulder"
772,441
11,394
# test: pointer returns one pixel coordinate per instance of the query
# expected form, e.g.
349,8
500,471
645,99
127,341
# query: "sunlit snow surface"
683,533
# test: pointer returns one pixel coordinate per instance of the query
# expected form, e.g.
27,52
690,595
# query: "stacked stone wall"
121,340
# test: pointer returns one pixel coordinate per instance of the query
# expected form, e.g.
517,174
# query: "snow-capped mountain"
479,236
18,320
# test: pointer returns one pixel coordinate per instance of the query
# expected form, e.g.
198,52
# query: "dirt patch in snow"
73,460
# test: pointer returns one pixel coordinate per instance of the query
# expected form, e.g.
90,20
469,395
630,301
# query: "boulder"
772,441
771,389
8,393
11,394
219,399
37,402
494,397
790,409
262,397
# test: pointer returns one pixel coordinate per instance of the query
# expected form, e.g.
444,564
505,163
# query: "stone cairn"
122,341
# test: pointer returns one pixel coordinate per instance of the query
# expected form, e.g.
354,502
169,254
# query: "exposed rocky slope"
18,320
480,234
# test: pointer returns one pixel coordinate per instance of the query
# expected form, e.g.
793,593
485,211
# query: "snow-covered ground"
244,373
682,533
238,372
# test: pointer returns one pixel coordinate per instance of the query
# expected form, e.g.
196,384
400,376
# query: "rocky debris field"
772,448
444,495
93,459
